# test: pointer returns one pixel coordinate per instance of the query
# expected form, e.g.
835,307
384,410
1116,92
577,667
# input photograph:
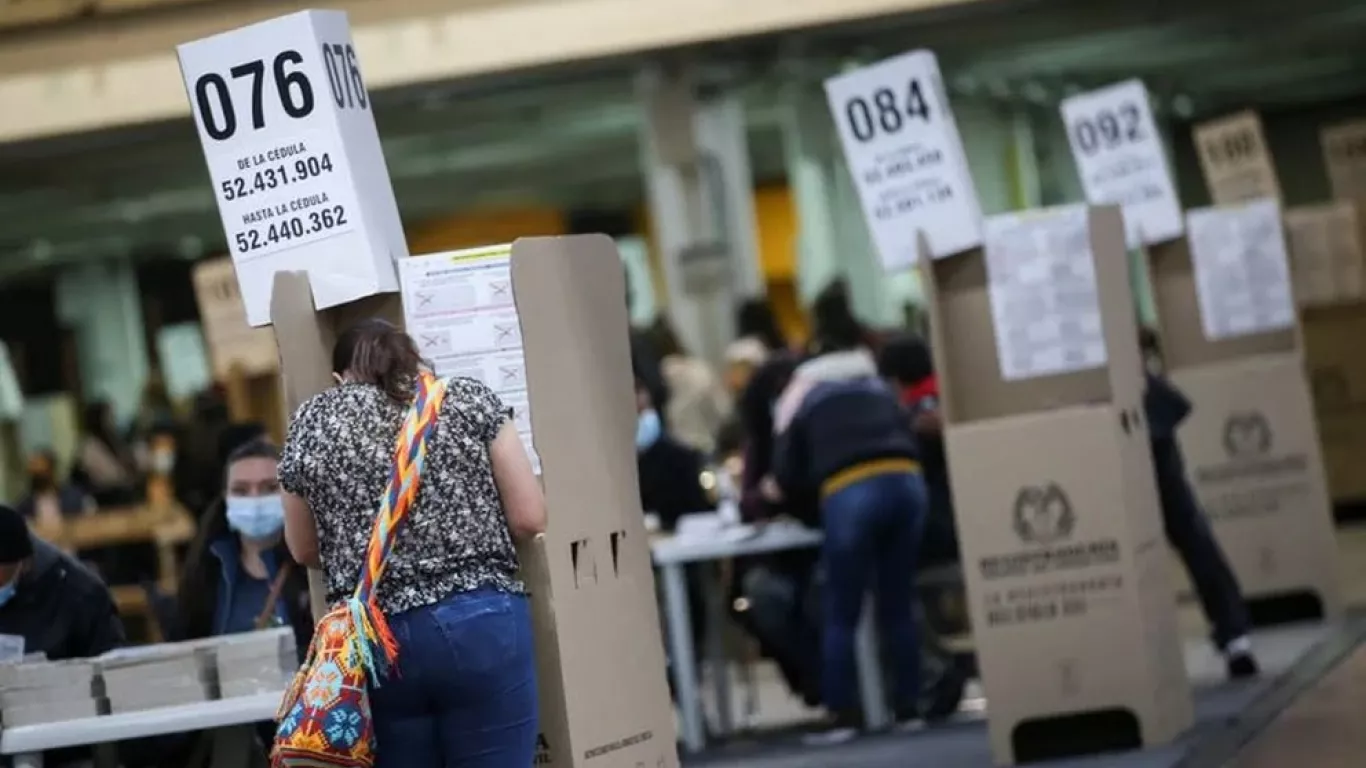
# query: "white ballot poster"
1045,305
902,146
459,308
1242,270
1120,157
297,168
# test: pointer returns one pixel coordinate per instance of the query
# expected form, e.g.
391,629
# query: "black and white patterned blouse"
338,456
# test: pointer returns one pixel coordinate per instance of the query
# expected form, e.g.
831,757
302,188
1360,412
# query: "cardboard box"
600,658
1057,513
1326,253
1333,338
233,343
1235,160
1251,443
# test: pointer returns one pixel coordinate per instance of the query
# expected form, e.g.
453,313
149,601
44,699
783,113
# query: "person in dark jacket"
848,442
54,603
1185,524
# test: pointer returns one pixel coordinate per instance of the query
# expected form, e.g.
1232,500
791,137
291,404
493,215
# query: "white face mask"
258,518
163,462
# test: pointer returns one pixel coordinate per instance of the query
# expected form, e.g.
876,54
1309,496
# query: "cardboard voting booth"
600,659
1230,341
1053,485
1332,336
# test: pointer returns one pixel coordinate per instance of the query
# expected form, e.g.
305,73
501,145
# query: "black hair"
906,358
836,328
379,353
754,318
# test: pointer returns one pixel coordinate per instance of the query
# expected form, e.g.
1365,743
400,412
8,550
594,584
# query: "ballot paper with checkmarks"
458,307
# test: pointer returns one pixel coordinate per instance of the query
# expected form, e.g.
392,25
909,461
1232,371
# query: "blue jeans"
464,693
872,538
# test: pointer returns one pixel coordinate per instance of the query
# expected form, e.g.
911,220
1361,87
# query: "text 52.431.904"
273,177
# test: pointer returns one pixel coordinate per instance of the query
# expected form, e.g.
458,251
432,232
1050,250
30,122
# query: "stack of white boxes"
157,676
47,692
256,662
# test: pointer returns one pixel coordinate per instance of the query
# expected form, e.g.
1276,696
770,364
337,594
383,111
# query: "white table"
26,743
672,554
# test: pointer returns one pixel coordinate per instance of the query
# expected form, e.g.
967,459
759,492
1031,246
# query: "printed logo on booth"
1043,514
1247,434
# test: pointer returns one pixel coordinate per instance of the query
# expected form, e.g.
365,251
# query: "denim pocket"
483,630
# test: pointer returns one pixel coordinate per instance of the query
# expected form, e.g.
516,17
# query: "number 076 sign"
903,149
296,164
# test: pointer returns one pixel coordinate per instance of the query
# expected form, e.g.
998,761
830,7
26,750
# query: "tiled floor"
1322,729
1329,717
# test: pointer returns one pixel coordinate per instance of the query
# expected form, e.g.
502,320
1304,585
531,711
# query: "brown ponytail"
378,353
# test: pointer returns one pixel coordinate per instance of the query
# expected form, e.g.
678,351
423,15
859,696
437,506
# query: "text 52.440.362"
273,177
280,231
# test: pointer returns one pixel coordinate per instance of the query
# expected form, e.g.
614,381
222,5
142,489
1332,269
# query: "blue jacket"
226,551
839,425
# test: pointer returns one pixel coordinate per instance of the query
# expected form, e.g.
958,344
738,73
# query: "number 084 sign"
903,149
297,169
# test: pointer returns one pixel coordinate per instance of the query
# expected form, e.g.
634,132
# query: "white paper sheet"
459,308
1045,306
1242,270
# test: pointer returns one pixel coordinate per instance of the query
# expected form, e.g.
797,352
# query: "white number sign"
1119,154
903,149
287,129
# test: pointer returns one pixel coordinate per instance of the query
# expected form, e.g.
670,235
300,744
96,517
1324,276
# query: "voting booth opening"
1231,343
603,696
1035,344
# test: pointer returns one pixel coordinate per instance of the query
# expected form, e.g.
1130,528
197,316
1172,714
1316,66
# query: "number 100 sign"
298,173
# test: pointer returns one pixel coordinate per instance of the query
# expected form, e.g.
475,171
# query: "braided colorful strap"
372,644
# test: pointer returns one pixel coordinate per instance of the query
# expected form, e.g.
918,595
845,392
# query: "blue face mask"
648,429
8,590
256,517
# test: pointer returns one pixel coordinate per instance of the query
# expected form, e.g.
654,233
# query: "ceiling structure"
568,137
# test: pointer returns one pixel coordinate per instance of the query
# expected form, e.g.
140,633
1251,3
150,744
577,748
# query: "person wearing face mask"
55,604
239,576
669,471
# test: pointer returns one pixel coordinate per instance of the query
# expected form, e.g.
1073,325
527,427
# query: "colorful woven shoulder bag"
324,719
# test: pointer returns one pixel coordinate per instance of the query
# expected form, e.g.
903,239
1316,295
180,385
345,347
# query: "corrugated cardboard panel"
616,709
1253,458
965,347
1064,566
1178,315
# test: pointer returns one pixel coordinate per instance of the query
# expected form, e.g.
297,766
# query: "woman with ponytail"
461,691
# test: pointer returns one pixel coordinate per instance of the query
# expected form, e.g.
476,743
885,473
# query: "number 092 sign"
284,118
1121,160
903,149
